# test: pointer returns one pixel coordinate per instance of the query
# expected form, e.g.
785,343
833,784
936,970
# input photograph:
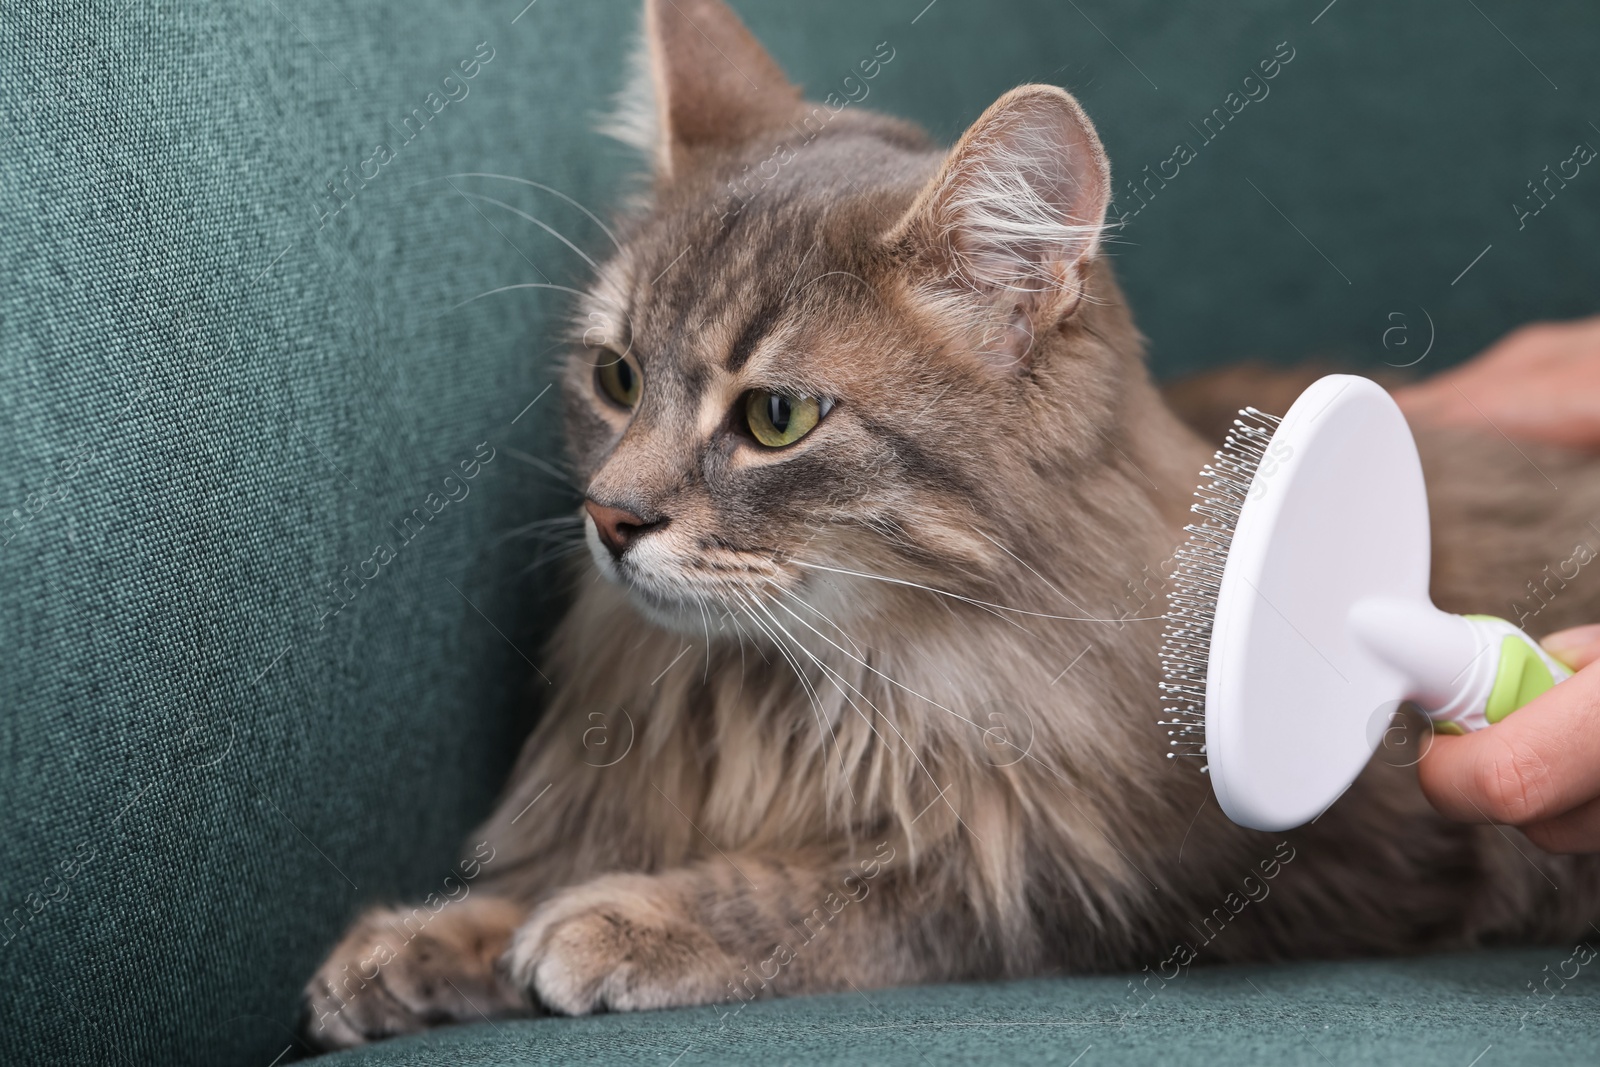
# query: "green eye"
619,378
777,420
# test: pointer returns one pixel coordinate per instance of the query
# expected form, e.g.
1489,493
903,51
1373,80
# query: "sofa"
266,300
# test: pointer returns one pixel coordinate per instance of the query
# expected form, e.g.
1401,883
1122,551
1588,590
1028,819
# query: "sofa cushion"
1444,1011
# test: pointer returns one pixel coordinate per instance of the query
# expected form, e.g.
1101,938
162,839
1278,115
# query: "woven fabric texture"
271,419
1442,1012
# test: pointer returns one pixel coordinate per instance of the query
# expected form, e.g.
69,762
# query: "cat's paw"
619,943
398,971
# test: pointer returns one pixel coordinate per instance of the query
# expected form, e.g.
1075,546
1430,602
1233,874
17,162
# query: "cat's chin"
680,612
680,617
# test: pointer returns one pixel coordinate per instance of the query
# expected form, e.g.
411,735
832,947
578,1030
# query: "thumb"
1577,647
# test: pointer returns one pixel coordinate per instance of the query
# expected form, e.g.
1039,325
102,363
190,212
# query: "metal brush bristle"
1197,579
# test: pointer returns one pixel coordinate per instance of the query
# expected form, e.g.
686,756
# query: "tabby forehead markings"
716,396
759,326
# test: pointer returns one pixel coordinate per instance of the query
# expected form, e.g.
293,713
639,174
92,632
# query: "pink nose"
618,528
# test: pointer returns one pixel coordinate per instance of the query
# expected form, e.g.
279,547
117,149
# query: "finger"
1575,831
1540,382
1542,761
1429,403
1577,647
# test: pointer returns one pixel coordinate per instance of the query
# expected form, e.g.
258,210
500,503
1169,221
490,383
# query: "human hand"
1539,383
1539,769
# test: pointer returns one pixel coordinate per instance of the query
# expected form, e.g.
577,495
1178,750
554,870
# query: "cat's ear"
1004,232
701,80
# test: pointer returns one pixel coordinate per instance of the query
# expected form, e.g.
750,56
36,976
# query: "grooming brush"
1299,619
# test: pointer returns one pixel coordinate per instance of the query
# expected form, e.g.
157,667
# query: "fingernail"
1577,647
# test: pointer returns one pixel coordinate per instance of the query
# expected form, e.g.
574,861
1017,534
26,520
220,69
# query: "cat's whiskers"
544,466
738,632
909,747
860,660
894,682
555,528
562,539
705,624
519,285
798,599
895,539
1057,589
784,650
839,682
551,230
969,600
824,731
839,679
981,730
731,615
738,629
845,688
553,192
545,558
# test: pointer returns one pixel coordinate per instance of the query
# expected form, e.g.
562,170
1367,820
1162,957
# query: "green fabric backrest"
217,402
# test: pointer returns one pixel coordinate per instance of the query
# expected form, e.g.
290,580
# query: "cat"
873,463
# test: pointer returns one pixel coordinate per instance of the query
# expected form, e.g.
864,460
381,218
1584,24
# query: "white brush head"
1301,520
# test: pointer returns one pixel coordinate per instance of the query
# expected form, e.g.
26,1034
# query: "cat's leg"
726,931
397,971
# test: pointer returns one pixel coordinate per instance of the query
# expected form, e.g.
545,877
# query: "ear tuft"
1014,214
634,115
1026,194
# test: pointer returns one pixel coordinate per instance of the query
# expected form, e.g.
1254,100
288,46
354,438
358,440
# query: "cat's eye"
619,378
777,419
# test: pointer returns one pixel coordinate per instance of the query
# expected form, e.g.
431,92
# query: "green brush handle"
1522,672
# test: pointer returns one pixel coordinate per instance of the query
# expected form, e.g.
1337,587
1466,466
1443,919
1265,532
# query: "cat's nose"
618,528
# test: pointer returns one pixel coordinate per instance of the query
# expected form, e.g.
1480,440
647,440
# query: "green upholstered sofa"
248,321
